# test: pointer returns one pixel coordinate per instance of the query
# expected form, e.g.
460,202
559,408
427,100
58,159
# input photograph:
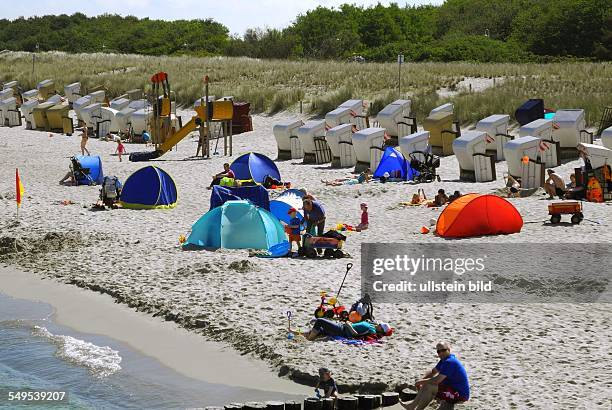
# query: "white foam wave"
100,361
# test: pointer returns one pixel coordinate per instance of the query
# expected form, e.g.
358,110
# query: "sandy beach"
517,356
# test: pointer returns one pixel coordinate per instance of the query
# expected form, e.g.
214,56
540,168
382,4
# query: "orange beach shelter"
477,215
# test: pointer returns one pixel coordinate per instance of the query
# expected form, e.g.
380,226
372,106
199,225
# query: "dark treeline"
469,30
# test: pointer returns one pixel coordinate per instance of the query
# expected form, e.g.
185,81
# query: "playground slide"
166,146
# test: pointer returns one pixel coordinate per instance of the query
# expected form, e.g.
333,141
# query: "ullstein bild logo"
485,273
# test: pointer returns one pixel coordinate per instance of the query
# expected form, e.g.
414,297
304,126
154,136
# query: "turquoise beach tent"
236,225
254,166
149,188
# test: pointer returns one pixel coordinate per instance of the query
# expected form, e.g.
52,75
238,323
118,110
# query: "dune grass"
276,85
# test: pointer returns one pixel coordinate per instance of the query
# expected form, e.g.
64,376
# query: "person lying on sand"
364,177
324,327
439,200
447,382
554,185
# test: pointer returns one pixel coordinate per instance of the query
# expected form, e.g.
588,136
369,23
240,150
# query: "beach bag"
364,308
594,192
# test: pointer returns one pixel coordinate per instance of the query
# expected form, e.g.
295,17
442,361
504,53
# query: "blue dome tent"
149,188
236,225
393,161
257,194
291,198
93,167
254,166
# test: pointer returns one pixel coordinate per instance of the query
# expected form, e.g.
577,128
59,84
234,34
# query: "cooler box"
39,113
531,110
394,113
56,115
435,124
284,132
496,126
368,146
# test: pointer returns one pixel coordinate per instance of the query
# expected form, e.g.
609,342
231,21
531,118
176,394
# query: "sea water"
96,371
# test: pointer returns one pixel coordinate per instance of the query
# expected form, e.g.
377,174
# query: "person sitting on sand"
513,186
365,176
324,327
440,199
69,176
554,185
455,195
365,220
326,383
447,382
227,173
419,197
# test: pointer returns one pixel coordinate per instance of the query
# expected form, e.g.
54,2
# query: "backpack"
111,188
364,307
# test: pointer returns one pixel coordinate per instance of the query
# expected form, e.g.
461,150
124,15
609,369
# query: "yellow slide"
178,136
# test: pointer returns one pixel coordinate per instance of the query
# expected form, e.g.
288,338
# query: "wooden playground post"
208,115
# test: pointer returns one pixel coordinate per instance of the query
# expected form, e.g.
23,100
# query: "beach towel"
366,341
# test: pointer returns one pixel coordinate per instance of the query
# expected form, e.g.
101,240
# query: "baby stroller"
425,164
79,172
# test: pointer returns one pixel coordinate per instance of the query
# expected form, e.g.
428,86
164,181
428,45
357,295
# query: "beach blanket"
366,341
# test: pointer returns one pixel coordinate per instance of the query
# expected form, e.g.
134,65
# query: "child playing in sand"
326,383
364,218
294,229
120,149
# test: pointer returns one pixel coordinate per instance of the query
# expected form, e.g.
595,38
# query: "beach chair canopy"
149,188
236,225
477,215
254,166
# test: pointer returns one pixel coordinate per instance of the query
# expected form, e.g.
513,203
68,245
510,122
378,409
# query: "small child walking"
120,149
364,218
294,230
326,383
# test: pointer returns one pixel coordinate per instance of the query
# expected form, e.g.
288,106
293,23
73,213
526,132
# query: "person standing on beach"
314,214
84,139
447,382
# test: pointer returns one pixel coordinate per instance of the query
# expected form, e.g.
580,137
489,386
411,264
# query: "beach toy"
424,229
290,336
525,159
182,239
354,317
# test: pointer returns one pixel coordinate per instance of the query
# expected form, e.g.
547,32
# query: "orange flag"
18,188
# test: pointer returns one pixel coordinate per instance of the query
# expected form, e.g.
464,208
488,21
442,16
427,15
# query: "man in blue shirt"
447,382
314,214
